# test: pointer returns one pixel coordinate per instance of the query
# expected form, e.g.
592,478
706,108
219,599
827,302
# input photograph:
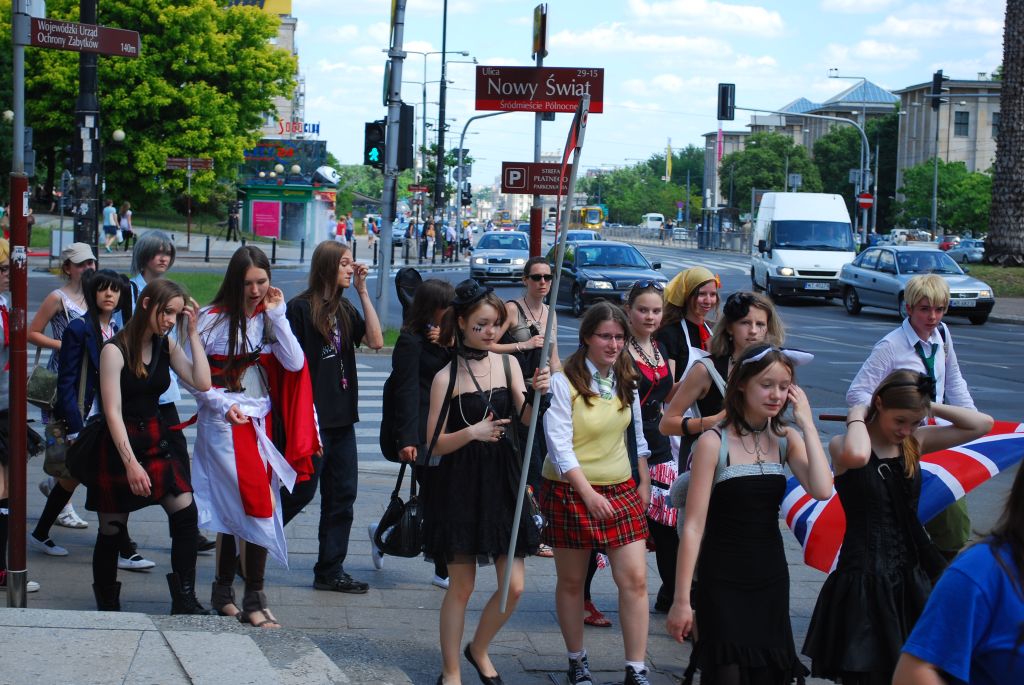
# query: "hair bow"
795,357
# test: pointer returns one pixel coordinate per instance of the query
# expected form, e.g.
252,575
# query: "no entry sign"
538,89
865,200
527,178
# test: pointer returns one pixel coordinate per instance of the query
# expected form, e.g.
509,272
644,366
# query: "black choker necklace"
471,353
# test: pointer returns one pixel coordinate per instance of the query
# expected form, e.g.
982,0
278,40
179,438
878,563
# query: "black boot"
183,595
108,597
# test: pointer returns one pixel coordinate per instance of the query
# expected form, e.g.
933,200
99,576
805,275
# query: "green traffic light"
374,155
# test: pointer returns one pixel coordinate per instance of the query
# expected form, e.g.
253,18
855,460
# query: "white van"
801,242
652,220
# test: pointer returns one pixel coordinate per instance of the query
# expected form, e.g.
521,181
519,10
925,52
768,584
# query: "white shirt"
897,351
558,422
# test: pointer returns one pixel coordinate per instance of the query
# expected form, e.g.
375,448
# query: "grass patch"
200,285
1005,281
391,336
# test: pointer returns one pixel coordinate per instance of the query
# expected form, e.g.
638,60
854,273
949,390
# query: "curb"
1006,318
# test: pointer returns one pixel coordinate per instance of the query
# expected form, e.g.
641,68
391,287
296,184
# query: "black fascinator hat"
469,291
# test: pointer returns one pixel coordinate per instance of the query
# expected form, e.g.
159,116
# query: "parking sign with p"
514,177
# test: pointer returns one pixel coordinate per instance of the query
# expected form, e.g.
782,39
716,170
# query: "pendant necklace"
758,451
536,321
655,364
490,391
336,342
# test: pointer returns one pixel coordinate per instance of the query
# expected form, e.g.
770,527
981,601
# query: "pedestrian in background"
329,329
419,355
597,486
350,229
340,229
110,224
125,222
924,344
731,538
233,221
258,367
869,604
971,628
135,464
468,516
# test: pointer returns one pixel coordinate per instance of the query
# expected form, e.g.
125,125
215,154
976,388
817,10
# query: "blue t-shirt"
109,216
971,626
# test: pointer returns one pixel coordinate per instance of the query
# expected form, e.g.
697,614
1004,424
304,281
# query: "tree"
963,200
1005,242
763,164
201,87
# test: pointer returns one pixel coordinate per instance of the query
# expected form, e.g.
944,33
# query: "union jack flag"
946,476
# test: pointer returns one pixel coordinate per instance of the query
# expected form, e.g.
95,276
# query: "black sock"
56,500
184,528
104,557
591,570
3,533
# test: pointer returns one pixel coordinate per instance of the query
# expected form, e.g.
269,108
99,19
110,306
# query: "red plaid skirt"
570,525
160,451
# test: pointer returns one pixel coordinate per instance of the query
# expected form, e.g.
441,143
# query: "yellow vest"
598,439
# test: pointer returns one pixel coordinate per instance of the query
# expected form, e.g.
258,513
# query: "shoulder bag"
55,433
42,382
400,530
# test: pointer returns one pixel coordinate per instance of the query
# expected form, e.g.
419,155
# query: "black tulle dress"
468,512
741,599
870,603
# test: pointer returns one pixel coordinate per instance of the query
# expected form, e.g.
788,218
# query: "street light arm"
462,145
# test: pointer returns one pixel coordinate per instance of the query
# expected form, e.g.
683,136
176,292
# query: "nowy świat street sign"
70,35
538,89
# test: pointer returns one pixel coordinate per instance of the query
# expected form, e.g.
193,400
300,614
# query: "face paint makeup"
478,329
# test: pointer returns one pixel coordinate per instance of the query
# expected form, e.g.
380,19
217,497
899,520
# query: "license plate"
816,286
500,270
963,303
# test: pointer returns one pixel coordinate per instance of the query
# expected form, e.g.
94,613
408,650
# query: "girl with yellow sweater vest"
590,497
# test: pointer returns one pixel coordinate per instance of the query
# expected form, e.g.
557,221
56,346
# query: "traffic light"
406,158
726,101
467,195
938,89
373,146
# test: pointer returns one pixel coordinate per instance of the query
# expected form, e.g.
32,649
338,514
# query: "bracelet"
856,421
685,428
518,348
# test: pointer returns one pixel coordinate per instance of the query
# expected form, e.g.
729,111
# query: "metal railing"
724,241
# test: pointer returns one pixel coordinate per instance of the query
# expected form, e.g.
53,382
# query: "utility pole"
86,149
439,176
540,28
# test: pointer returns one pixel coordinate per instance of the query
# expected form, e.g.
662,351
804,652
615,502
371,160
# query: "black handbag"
82,456
400,530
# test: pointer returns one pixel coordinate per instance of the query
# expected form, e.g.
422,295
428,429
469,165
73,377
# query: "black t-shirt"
335,387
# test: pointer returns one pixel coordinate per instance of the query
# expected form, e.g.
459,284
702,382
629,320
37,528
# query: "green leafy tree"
964,197
205,77
763,164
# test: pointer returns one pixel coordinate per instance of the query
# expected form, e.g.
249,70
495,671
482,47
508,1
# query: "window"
868,259
961,121
995,125
886,262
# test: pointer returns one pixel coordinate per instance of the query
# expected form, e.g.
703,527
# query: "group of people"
670,389
276,391
117,226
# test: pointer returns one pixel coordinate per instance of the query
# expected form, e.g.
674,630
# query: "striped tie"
604,385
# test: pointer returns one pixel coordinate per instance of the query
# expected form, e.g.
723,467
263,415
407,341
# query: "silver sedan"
500,255
968,251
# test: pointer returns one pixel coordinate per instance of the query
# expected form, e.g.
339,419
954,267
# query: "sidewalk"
388,635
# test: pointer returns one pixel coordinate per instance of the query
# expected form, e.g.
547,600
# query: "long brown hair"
431,295
735,413
904,389
153,298
450,324
737,306
230,301
327,304
576,370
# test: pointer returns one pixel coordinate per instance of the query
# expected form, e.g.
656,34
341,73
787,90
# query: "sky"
662,61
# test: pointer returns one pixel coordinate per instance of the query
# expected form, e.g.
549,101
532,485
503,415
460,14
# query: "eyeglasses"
537,278
610,337
644,285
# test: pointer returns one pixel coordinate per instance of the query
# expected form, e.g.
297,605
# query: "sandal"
255,612
545,551
594,617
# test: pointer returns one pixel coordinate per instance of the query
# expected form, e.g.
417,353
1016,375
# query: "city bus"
503,219
588,217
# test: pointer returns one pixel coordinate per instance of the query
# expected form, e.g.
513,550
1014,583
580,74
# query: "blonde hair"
927,287
5,250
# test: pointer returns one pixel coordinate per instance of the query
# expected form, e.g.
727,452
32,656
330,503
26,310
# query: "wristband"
685,428
856,421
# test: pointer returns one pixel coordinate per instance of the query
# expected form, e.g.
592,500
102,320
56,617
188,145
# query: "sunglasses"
644,285
537,278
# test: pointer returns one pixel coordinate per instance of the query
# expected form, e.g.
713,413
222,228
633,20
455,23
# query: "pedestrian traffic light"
406,158
937,89
373,146
726,101
467,195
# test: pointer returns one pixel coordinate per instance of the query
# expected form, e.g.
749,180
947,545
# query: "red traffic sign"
418,189
75,37
187,162
865,200
538,89
527,178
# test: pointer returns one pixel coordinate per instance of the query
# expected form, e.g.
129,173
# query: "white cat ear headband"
795,357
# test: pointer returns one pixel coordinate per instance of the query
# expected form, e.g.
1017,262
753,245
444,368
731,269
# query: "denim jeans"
338,475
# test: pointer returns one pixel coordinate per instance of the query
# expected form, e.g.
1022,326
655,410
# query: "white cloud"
855,6
704,16
954,19
625,40
881,54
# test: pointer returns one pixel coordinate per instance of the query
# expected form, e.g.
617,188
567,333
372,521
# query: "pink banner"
266,218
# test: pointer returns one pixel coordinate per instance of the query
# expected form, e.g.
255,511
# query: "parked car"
877,277
968,251
549,226
523,227
500,255
948,242
601,270
578,235
680,234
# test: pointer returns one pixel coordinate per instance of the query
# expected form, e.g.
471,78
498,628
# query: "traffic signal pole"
389,196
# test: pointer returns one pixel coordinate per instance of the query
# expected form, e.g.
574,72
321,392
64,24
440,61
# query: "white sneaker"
46,546
135,562
31,586
69,519
375,553
440,582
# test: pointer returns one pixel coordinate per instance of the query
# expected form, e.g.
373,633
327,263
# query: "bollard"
207,257
243,241
302,251
375,254
273,250
354,244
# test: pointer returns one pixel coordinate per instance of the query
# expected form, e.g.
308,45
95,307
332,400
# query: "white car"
549,226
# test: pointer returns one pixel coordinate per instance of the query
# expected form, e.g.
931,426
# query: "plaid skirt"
570,525
161,453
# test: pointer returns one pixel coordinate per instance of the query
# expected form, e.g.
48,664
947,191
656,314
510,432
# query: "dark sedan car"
877,277
601,270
